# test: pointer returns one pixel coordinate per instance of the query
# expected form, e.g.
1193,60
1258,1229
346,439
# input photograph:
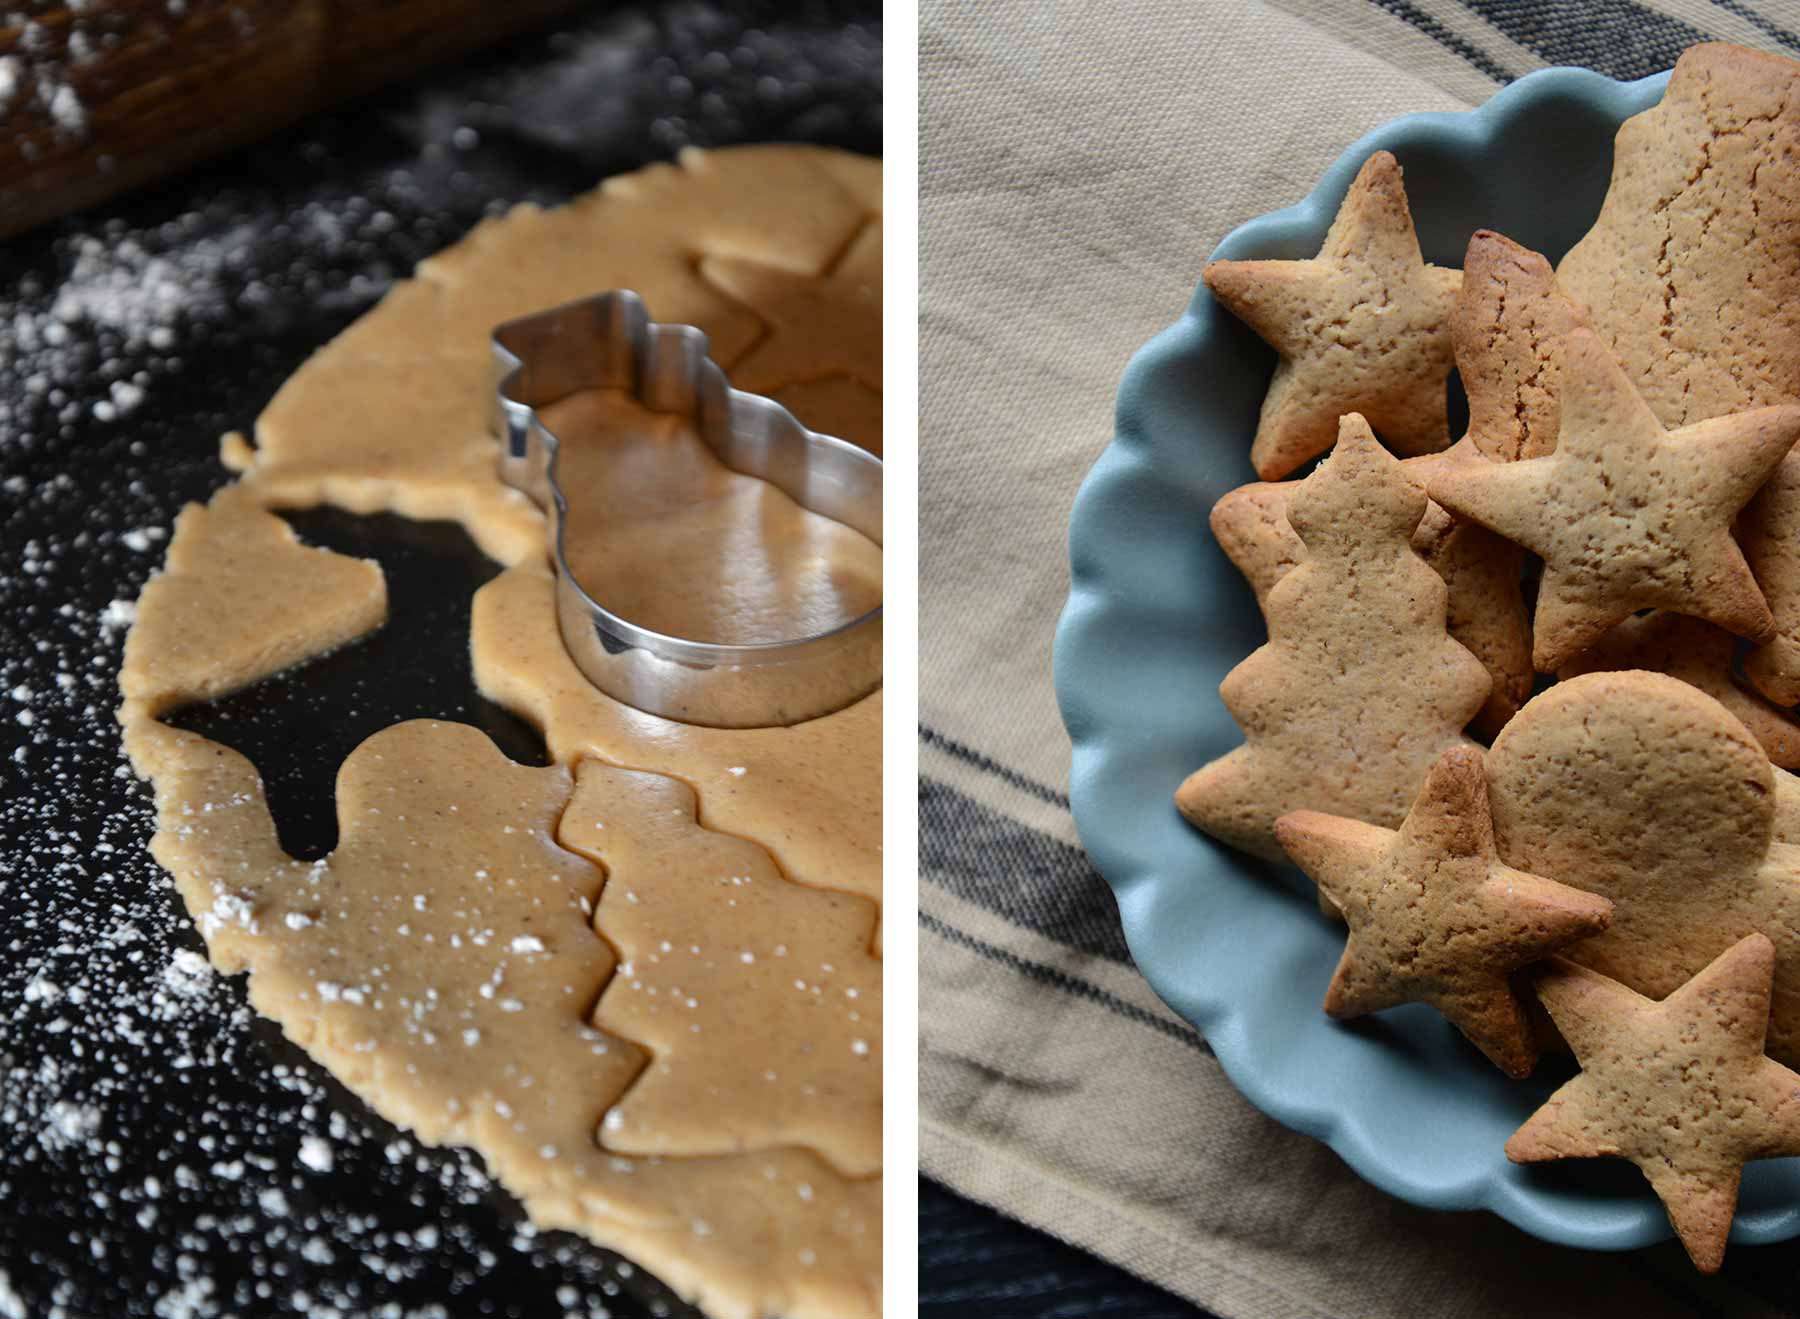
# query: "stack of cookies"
1619,530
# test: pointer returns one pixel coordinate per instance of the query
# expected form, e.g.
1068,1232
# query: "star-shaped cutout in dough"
1625,514
1435,917
1681,1087
820,326
1362,327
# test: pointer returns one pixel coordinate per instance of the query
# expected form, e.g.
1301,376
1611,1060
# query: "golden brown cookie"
1701,655
1362,327
1693,278
1507,327
1625,514
1681,1087
1769,531
1648,792
1508,330
1435,916
1485,610
1486,606
1359,689
1690,272
1251,526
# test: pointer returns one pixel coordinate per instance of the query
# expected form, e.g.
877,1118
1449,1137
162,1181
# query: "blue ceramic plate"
1157,617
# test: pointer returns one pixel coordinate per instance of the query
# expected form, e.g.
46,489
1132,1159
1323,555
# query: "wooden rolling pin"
97,96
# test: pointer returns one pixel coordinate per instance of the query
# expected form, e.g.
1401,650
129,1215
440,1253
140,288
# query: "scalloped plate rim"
1096,746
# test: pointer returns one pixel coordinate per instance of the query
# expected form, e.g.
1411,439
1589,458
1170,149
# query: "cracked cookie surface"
1693,279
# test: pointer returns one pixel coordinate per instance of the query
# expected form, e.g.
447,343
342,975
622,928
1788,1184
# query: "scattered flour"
315,1153
146,1113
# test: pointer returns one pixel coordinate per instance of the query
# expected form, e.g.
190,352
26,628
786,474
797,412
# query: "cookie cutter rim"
609,341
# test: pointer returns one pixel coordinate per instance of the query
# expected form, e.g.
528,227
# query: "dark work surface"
163,1152
976,1264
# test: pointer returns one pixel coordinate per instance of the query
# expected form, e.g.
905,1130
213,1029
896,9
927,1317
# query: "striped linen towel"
1078,162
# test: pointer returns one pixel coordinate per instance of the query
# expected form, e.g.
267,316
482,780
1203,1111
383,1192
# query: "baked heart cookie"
1359,689
1681,1087
1648,792
1693,279
1702,656
1362,327
1435,916
1626,514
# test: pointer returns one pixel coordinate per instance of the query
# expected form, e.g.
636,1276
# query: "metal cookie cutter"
609,341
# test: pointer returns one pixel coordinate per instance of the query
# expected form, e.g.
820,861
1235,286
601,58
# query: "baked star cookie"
1435,916
1362,327
1359,689
1648,792
1693,278
1681,1087
1701,655
1625,514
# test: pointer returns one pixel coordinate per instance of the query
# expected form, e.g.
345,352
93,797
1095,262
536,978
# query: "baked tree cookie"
1362,327
1701,655
1359,689
1693,278
1435,916
1648,792
1625,514
1485,611
1681,1087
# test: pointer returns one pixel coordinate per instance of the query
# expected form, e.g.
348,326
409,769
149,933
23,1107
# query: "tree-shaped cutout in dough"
450,929
443,964
757,998
1359,689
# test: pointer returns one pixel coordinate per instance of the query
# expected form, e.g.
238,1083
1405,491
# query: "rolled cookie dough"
445,961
